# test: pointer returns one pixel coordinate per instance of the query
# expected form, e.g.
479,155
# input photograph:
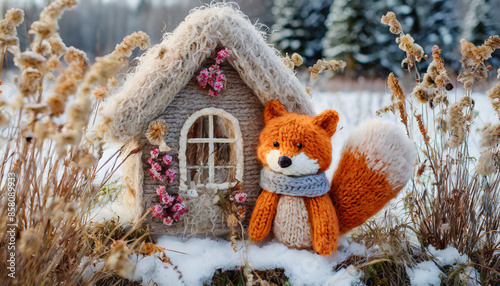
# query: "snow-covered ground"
198,258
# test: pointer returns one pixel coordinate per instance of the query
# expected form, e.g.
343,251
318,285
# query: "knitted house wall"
203,215
162,86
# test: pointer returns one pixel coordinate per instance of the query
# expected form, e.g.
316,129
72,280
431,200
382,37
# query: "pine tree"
439,25
481,22
300,26
356,35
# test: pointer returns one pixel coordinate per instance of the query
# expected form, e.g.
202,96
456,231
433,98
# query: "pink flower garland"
171,207
155,170
213,76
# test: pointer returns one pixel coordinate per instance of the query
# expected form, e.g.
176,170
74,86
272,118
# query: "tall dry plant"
50,163
453,198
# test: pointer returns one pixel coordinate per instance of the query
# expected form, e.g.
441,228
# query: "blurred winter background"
340,29
348,30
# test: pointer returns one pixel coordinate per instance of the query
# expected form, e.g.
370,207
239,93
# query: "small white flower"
192,193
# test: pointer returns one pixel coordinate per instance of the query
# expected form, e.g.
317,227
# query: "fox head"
296,145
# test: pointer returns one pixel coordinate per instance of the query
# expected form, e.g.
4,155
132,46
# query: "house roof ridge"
167,67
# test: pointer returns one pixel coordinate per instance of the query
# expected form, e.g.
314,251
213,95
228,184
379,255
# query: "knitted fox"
297,200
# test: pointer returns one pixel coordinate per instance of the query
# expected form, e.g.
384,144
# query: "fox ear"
273,109
327,120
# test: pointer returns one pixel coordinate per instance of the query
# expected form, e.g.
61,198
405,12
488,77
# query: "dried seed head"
232,221
148,248
473,58
422,128
324,65
8,33
297,60
288,61
486,164
457,122
47,24
393,23
29,242
118,259
490,136
157,130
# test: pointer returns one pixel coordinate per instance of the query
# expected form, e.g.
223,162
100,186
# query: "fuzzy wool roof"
167,67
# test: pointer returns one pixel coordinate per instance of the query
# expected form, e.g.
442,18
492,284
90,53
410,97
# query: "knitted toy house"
213,130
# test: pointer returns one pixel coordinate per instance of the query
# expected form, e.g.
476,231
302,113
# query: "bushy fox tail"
375,164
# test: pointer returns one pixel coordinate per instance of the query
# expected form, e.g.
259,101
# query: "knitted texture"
263,215
292,225
300,222
325,224
376,162
204,217
167,67
289,129
307,186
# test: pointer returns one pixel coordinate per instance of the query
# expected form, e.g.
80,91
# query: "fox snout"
284,161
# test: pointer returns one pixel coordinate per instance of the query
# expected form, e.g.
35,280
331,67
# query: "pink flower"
166,199
177,216
221,78
213,69
167,221
213,93
167,159
240,197
202,81
204,74
150,161
182,210
161,190
157,210
222,55
154,153
155,175
177,207
211,81
179,199
170,175
156,166
218,86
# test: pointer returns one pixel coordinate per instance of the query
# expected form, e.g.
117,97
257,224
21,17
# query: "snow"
198,258
425,273
448,256
203,256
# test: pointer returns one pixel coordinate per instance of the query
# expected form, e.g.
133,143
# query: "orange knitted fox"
304,210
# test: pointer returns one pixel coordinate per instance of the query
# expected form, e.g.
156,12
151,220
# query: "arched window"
211,151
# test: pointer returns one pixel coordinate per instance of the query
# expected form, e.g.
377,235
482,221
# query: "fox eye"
276,144
299,145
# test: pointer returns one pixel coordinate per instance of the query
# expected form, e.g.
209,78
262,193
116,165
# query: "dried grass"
49,184
447,202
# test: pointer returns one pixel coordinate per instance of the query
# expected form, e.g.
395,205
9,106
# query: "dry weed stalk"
449,204
324,65
54,186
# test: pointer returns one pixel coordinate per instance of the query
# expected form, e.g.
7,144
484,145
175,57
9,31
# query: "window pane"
224,174
223,128
197,175
197,154
223,154
200,128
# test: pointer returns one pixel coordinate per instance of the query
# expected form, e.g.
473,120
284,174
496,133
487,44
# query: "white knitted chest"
292,225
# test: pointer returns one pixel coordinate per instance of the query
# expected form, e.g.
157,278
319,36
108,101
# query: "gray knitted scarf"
307,186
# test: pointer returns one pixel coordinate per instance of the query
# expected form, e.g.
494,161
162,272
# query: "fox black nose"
284,161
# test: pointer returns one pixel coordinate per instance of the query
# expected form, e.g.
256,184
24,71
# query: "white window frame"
238,148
